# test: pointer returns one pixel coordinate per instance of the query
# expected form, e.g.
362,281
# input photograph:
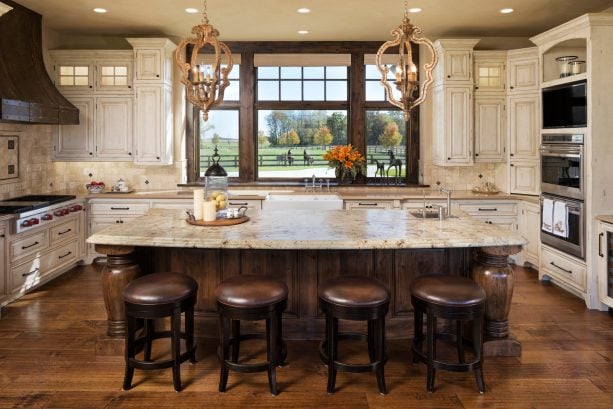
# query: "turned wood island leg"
121,268
492,271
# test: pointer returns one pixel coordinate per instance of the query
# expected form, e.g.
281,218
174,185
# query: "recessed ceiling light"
303,10
191,10
303,32
415,10
507,10
99,10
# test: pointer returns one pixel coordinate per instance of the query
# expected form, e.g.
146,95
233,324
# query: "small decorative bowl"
94,188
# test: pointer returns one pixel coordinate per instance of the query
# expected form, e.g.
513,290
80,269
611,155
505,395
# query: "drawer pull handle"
64,232
65,255
600,236
28,246
238,204
485,209
36,270
120,208
366,204
563,269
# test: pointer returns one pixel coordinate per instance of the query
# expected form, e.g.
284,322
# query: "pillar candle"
198,200
209,211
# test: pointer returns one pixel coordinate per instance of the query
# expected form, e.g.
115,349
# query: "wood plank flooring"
47,361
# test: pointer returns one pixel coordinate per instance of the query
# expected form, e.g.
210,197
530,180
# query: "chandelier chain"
205,17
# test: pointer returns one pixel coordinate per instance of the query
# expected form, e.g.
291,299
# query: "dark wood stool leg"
236,334
371,341
272,352
380,353
418,329
129,352
431,341
224,345
478,345
149,329
175,322
280,344
189,333
460,341
332,324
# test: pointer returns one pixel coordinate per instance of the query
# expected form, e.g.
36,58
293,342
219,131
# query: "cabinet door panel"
458,125
148,64
523,75
77,141
114,128
524,127
525,177
457,65
149,126
489,129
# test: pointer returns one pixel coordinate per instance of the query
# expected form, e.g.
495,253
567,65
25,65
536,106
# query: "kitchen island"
303,248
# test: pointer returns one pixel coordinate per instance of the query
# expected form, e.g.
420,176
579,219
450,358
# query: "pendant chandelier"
204,83
412,93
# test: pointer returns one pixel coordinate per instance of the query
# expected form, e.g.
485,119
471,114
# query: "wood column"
121,268
492,271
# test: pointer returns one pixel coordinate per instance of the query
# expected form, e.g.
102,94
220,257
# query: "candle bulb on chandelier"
413,72
398,74
208,73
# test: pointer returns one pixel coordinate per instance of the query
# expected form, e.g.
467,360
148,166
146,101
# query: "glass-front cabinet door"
605,260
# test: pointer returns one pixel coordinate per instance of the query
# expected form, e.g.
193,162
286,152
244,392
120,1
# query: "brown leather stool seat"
155,296
251,297
453,298
354,298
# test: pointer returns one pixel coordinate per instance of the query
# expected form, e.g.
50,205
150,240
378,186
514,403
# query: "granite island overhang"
303,248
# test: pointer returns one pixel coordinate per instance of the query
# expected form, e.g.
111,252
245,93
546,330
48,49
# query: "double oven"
562,183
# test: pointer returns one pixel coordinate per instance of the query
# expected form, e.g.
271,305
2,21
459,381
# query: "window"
291,143
74,75
300,101
111,75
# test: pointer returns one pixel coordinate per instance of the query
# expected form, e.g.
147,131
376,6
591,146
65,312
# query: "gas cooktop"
27,203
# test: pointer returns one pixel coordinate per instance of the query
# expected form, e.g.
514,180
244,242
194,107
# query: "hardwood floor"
47,361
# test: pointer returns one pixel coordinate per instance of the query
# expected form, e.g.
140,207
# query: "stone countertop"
304,229
607,218
391,193
4,217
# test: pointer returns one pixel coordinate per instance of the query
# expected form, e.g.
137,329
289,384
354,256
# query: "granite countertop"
607,218
361,193
304,229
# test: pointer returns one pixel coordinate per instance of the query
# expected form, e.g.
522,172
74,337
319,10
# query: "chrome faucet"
312,187
447,191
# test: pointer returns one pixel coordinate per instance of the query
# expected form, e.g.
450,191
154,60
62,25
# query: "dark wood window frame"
356,107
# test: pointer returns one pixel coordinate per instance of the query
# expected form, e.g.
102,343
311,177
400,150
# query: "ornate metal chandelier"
204,83
411,92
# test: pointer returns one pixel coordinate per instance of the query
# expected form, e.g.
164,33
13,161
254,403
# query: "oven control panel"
46,216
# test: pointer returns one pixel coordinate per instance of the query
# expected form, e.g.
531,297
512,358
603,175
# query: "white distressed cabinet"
605,263
524,127
530,227
490,128
153,115
523,70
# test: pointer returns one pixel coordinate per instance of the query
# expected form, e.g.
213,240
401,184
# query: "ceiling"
347,20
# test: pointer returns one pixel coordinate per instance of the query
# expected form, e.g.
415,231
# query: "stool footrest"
167,363
345,367
448,366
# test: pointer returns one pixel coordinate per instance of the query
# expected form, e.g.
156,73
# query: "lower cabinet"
525,177
3,266
501,213
605,263
530,228
565,271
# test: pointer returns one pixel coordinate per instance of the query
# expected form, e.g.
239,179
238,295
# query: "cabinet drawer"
28,245
28,274
563,267
63,231
367,204
489,209
509,223
136,208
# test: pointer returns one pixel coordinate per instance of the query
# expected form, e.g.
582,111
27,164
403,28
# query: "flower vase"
343,176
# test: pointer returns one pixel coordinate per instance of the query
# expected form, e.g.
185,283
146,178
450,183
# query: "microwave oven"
565,106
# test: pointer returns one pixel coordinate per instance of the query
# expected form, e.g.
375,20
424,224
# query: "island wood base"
302,270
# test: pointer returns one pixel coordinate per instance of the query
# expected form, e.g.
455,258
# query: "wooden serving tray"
219,222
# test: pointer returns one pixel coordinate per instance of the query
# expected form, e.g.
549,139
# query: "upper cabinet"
523,70
455,60
153,115
490,71
83,71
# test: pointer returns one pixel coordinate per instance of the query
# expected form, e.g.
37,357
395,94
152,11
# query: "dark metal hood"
27,94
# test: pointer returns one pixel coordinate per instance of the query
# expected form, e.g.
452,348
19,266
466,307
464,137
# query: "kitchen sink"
302,201
428,215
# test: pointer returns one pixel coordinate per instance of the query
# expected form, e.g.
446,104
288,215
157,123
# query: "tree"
293,138
277,123
216,139
337,126
262,139
390,136
323,136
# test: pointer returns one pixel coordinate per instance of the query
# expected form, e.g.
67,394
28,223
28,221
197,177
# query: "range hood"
27,94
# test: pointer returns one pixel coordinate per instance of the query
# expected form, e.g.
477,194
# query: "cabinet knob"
512,164
511,87
130,153
511,154
91,153
449,76
476,154
91,86
448,158
157,75
157,157
476,87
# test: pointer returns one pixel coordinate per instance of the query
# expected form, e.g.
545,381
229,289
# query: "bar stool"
453,298
354,298
251,297
155,296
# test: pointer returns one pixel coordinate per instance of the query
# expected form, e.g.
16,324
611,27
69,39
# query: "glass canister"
216,183
577,67
564,66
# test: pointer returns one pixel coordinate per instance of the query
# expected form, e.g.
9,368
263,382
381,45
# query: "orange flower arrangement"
345,159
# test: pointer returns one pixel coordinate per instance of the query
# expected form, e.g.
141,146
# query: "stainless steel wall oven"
562,165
